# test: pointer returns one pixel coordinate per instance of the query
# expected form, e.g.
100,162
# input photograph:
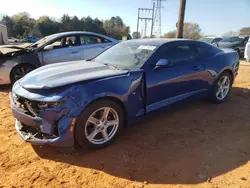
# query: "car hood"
61,74
7,52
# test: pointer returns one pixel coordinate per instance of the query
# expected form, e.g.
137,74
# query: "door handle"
74,52
196,68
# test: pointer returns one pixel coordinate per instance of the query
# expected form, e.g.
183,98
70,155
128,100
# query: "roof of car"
80,32
156,42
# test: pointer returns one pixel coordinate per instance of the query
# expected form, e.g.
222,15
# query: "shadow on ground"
186,145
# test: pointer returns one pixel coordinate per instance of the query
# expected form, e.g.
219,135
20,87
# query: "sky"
215,17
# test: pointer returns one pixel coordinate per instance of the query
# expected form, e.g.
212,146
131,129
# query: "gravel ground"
198,144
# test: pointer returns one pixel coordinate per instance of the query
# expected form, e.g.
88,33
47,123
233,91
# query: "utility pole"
180,24
145,15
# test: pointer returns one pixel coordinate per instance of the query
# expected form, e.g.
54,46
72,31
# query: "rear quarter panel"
221,61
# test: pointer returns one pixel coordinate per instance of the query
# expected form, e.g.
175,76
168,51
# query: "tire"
220,91
20,71
90,129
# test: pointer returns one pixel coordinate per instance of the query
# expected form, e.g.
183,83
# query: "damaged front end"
10,56
40,122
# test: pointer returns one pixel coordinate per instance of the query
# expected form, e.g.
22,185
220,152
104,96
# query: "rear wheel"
20,71
99,124
222,87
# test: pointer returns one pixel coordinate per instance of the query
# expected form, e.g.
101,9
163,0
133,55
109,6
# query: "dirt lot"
195,145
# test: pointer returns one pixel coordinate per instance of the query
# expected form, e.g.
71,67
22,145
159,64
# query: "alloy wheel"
102,125
223,87
21,72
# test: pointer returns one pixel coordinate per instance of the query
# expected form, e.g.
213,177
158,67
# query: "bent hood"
61,74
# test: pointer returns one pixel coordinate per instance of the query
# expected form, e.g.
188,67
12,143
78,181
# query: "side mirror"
48,47
162,63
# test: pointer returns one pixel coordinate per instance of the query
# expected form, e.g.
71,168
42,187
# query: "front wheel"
99,124
222,87
20,71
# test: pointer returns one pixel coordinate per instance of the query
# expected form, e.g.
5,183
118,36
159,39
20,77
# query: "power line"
145,15
157,17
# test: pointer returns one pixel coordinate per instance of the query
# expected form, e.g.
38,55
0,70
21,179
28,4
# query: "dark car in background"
211,40
238,43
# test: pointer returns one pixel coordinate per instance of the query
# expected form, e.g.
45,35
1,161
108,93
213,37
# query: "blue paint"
140,91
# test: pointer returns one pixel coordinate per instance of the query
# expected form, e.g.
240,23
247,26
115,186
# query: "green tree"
136,35
116,28
170,34
6,20
46,26
23,24
190,31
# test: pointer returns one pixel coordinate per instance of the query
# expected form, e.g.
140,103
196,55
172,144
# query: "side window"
180,53
200,50
57,44
64,42
91,39
70,41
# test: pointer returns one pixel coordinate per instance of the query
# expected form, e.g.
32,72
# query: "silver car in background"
60,47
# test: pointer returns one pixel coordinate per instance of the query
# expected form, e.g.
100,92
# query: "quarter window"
200,50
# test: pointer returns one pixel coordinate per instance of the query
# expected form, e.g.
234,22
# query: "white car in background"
13,40
59,47
247,51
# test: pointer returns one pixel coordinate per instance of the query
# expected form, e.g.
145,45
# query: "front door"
64,49
182,79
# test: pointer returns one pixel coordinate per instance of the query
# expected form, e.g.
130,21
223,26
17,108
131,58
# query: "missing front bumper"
33,135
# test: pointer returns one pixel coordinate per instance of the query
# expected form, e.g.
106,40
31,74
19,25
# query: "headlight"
49,104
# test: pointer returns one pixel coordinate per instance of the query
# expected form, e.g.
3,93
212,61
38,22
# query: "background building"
3,34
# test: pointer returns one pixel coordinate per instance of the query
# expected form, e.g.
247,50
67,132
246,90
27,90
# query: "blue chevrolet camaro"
89,102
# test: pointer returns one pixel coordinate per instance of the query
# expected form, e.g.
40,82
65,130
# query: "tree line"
22,25
193,31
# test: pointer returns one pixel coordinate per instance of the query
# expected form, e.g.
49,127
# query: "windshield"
126,55
207,40
232,39
43,41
